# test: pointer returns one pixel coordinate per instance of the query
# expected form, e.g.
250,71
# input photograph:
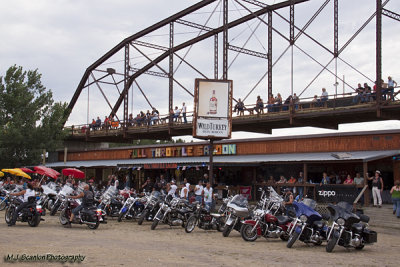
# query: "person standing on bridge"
390,89
183,110
324,97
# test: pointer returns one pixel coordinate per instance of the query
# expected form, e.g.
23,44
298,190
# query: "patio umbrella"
42,170
74,173
26,170
1,174
17,172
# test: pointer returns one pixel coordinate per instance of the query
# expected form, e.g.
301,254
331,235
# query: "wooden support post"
366,192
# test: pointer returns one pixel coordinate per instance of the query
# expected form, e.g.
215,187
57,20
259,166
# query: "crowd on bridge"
363,94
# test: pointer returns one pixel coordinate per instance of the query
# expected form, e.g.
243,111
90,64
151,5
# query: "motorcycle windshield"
110,192
303,209
66,190
240,201
47,190
52,186
310,202
343,211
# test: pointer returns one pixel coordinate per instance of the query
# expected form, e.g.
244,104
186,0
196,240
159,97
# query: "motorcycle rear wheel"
9,214
227,230
154,224
94,226
247,234
34,221
292,239
331,243
190,224
142,217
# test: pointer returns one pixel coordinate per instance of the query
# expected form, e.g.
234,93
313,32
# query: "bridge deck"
329,116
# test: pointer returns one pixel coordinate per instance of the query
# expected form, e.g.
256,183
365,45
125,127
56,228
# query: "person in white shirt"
27,193
184,192
171,188
208,196
198,192
184,112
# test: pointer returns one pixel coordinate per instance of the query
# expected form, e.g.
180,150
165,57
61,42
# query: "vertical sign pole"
211,165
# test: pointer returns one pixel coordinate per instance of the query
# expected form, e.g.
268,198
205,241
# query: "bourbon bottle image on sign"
213,104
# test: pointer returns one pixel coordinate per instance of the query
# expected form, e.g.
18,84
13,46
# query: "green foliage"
30,121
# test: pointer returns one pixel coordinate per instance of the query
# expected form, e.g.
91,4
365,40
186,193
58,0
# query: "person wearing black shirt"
87,201
147,186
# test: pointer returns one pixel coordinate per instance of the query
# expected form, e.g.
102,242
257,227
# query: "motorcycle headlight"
340,221
303,218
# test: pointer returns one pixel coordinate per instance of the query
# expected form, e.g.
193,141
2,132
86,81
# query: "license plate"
38,207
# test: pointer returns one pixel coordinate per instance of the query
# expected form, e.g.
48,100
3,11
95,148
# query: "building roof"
364,156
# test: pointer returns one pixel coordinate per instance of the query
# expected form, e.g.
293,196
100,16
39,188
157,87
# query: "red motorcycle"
265,224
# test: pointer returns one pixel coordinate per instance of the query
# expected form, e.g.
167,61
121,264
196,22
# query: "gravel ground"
128,244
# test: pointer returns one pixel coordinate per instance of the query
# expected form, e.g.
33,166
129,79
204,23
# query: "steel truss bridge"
201,41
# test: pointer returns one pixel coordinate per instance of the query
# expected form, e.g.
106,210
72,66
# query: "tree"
30,121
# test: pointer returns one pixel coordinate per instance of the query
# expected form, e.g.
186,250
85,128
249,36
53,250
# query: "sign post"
212,113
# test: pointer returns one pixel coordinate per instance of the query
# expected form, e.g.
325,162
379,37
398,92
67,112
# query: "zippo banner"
335,193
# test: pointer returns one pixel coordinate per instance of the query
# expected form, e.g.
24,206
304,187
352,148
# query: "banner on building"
212,109
335,193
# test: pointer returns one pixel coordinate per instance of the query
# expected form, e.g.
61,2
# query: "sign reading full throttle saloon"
212,109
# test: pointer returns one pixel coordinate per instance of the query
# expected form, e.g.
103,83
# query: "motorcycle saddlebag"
370,236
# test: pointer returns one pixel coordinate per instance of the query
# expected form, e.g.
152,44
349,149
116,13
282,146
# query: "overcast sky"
61,38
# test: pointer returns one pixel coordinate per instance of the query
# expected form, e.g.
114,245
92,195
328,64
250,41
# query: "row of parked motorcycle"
269,218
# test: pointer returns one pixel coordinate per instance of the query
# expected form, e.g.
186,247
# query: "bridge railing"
303,104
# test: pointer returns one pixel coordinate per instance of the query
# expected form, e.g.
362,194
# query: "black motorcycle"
348,229
174,212
204,220
151,206
91,216
31,214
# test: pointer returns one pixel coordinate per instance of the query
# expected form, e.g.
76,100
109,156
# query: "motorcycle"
267,220
49,195
204,220
174,212
61,196
111,202
31,214
348,229
133,206
309,226
4,199
91,216
151,207
237,209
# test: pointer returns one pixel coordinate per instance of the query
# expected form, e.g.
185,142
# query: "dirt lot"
128,244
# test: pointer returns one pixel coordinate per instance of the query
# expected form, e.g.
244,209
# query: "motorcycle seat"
318,224
363,218
283,219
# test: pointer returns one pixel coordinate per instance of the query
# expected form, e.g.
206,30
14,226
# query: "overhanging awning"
364,156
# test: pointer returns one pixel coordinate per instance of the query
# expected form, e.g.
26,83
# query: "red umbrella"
26,170
74,173
42,170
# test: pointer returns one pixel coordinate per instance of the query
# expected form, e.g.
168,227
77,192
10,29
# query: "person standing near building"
300,189
171,188
377,188
198,192
183,110
395,192
208,196
359,182
325,179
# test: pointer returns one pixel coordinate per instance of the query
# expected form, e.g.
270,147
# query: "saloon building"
247,162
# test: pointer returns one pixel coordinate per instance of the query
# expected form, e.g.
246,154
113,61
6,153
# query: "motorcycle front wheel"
190,224
120,216
332,242
227,230
9,214
54,209
63,217
154,224
143,215
3,205
247,233
292,239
